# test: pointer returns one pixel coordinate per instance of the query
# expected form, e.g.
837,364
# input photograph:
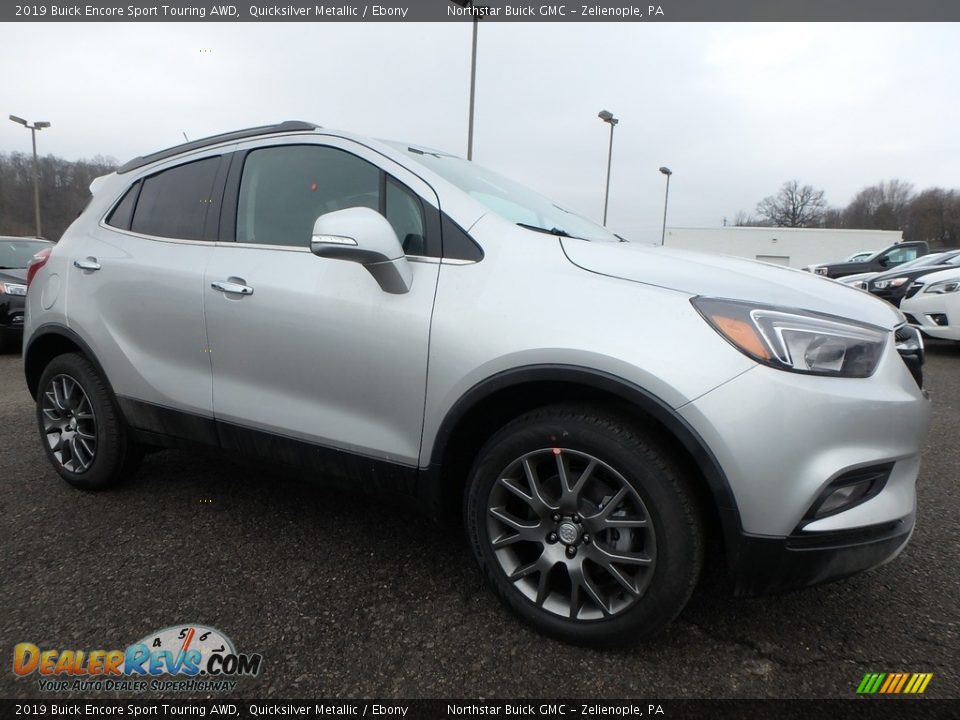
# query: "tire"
82,431
562,548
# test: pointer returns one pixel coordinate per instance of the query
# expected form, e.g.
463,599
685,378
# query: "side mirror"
364,236
884,261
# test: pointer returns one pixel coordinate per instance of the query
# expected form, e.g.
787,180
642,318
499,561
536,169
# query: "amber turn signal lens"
742,334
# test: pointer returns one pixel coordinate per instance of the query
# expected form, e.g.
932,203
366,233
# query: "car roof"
16,238
283,127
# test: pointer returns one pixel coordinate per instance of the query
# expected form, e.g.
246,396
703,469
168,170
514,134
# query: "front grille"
911,319
913,289
910,347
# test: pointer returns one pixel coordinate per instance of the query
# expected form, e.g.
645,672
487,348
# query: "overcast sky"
734,109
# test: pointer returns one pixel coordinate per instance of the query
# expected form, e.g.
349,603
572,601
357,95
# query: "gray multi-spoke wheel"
69,423
571,533
584,525
83,434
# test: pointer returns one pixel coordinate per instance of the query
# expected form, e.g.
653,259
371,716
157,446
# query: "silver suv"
600,412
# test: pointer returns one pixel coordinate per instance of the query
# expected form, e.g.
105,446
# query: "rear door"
317,351
136,295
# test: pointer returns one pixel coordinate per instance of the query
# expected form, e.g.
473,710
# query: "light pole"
608,117
36,166
478,10
666,196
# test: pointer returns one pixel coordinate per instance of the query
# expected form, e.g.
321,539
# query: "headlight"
944,286
796,340
13,289
894,283
820,270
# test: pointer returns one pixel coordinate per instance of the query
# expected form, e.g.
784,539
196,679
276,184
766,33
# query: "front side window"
174,203
901,255
405,213
283,190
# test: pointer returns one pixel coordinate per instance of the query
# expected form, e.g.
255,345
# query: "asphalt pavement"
348,597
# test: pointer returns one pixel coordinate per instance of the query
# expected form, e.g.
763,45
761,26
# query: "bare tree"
794,206
883,206
934,216
63,191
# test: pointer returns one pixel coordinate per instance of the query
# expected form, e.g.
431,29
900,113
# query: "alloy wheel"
69,424
571,534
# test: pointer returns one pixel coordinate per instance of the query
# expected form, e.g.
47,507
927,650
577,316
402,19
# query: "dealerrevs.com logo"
181,658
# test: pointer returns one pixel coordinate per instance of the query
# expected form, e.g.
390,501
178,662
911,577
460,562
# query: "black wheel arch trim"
645,401
56,329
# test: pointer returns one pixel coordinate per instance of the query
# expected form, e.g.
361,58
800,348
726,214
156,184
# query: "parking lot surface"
347,597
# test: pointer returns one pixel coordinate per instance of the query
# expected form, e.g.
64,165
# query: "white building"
792,247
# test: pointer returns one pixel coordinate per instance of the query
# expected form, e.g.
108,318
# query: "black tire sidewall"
649,471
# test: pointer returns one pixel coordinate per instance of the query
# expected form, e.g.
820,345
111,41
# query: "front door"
310,348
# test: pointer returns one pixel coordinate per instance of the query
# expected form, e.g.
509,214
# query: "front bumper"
11,312
892,295
781,439
761,565
921,309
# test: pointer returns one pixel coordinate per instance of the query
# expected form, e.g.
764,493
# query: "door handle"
232,287
89,263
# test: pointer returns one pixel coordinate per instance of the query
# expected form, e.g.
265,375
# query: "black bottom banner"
856,709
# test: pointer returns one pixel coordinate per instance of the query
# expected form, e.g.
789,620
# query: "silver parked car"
599,412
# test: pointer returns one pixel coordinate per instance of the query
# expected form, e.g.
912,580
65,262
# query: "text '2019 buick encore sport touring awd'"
599,411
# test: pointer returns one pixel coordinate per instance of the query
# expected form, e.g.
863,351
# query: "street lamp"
478,11
666,196
36,167
608,117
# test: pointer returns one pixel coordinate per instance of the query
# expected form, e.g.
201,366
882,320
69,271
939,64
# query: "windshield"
508,199
17,253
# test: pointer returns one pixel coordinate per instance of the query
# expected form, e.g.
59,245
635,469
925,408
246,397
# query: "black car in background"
15,255
893,285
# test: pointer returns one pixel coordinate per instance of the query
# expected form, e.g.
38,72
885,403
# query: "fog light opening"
938,318
849,490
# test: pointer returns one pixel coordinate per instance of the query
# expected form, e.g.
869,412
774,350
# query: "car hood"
913,273
728,277
14,275
940,274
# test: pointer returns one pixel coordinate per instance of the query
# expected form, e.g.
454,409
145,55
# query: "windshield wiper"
560,232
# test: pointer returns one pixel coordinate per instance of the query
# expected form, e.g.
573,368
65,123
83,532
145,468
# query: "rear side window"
123,212
174,203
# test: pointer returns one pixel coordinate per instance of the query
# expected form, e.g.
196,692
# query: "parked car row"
15,254
926,289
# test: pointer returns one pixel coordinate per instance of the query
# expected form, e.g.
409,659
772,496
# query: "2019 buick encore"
598,411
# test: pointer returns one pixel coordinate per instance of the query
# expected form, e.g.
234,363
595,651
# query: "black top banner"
487,10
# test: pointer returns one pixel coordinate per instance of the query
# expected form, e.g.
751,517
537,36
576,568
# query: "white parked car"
932,304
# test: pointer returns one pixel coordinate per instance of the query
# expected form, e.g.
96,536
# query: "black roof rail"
286,126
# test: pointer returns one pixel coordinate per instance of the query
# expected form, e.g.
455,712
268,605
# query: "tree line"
64,192
932,214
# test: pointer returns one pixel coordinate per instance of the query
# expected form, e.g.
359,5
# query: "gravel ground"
345,597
